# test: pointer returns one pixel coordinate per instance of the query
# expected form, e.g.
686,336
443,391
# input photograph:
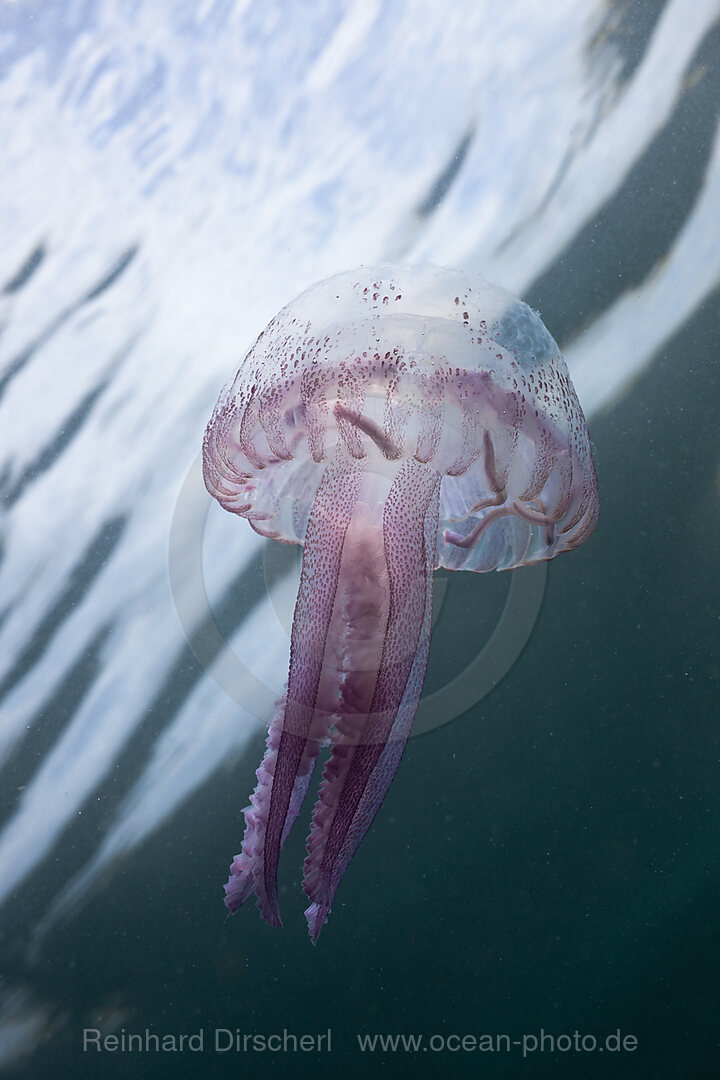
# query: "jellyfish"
391,421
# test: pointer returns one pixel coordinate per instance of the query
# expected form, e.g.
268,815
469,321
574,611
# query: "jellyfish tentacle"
484,504
369,428
367,747
533,517
524,513
473,537
494,479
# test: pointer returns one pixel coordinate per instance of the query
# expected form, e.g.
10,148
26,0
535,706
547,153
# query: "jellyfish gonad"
391,420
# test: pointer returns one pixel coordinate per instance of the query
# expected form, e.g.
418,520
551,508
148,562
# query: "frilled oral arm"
358,654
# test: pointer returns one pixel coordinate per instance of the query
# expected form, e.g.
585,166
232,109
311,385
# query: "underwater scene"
359,518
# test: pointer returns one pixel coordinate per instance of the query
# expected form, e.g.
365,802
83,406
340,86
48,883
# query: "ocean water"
546,862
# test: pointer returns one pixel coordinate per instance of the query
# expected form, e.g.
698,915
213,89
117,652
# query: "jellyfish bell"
391,420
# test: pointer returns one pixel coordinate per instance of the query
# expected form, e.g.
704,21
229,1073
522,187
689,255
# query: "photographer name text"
218,1040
